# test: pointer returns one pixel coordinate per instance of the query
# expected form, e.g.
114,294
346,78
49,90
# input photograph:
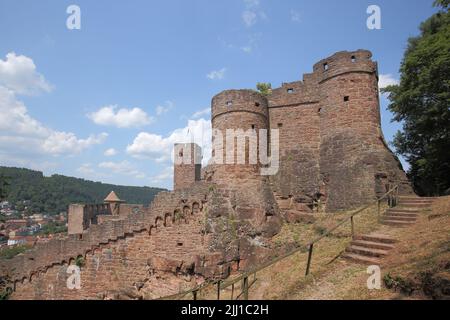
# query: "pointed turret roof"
112,197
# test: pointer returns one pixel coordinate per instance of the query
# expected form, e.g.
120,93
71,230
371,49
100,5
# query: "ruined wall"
332,146
166,241
81,216
294,111
187,164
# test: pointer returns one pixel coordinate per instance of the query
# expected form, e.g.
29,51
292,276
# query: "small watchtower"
114,202
187,164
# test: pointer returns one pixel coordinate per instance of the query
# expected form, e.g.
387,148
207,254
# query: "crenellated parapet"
164,210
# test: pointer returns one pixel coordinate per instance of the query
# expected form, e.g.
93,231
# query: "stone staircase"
369,249
406,212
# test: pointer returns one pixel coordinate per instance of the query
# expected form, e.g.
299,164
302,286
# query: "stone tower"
237,117
187,164
355,162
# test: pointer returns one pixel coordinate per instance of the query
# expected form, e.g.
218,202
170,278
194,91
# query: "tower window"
229,103
325,66
353,59
253,126
180,154
290,90
346,98
280,125
319,110
256,104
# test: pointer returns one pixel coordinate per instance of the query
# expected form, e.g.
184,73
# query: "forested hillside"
53,194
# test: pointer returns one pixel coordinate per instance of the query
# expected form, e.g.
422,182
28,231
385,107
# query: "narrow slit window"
353,59
256,104
325,66
253,126
346,98
229,103
290,90
280,125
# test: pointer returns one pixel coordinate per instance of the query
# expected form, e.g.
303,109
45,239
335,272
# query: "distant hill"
52,195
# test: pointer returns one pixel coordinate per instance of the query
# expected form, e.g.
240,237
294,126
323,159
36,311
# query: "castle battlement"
331,151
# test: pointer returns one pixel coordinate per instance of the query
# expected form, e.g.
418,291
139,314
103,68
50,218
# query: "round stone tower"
237,117
355,162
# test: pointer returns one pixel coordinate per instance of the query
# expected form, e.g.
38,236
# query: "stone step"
396,223
402,211
416,198
373,245
399,217
373,237
413,204
371,252
411,208
360,258
402,214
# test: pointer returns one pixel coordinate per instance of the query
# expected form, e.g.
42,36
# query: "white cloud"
252,43
200,113
21,136
122,118
164,108
110,152
123,167
249,18
295,16
386,80
18,73
86,169
251,3
217,74
59,143
165,176
160,149
252,12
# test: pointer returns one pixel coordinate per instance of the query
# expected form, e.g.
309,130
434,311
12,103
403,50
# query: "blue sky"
107,101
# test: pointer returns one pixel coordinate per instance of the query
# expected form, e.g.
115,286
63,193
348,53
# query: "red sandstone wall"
187,165
117,252
299,147
250,191
128,263
353,153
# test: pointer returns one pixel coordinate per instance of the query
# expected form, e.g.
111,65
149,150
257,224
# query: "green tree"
4,184
264,88
421,101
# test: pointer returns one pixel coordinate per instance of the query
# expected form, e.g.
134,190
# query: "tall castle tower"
237,117
355,163
238,114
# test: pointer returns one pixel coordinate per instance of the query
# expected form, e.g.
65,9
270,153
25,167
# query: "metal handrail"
221,284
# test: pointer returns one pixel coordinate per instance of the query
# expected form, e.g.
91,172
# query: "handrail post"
232,291
218,290
308,265
245,289
379,207
396,195
353,227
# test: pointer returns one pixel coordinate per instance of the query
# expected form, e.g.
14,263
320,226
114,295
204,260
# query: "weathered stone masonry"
332,151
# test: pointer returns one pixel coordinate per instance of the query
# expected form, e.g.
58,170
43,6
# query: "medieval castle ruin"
332,156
